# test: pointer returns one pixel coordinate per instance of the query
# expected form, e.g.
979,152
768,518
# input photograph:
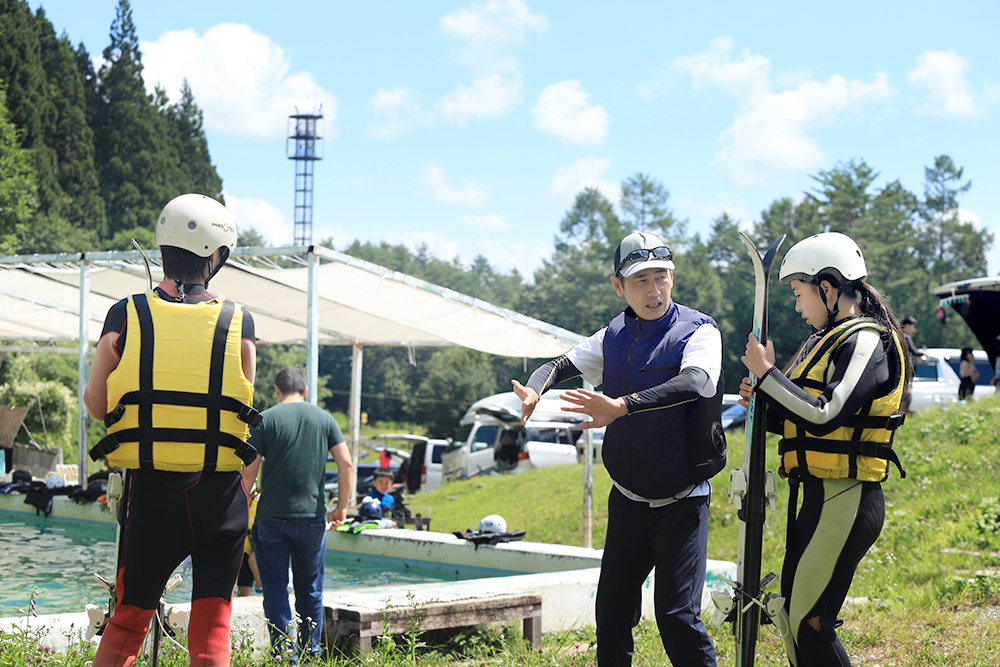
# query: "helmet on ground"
494,523
198,224
829,252
370,508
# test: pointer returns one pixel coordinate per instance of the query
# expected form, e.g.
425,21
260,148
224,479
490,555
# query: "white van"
490,437
422,464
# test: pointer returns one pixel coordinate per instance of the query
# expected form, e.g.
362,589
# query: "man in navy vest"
659,362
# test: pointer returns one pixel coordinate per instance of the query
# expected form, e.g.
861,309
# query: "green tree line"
87,158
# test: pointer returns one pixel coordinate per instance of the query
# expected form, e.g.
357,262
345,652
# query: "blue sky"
470,126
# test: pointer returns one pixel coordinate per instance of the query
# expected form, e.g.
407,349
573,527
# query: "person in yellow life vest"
172,379
837,408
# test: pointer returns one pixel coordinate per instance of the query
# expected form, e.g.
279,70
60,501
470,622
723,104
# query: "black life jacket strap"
245,413
803,443
113,441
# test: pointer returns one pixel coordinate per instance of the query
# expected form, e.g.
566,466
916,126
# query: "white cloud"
490,222
587,172
489,96
395,111
506,255
769,136
564,111
467,193
487,33
713,208
941,76
262,216
241,80
488,30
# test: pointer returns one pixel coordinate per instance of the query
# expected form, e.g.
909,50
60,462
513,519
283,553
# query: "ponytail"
874,304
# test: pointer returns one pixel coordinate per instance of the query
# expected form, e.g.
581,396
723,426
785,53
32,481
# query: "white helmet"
55,481
198,224
829,251
493,523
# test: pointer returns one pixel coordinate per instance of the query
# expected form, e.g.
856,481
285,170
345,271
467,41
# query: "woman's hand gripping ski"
758,359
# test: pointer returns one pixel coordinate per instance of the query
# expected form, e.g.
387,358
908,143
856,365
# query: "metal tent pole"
81,381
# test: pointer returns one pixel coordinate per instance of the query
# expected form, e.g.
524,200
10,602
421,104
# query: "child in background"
382,483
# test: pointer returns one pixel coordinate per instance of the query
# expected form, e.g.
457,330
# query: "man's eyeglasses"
644,254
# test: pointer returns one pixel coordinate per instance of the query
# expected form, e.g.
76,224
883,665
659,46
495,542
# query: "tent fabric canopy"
359,303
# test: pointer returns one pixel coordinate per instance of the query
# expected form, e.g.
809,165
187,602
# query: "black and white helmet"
829,252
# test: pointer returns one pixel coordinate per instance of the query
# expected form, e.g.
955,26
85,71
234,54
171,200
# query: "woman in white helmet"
172,379
836,407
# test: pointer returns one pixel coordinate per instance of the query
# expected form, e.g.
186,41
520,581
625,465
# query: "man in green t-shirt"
292,443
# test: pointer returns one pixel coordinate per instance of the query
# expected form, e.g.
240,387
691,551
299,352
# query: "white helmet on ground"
198,224
494,523
55,481
831,252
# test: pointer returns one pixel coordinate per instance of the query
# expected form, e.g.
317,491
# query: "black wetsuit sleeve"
249,333
552,373
683,388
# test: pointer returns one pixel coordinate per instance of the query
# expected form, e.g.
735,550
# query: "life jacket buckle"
105,446
114,416
895,421
250,415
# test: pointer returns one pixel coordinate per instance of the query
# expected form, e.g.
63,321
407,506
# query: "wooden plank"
364,623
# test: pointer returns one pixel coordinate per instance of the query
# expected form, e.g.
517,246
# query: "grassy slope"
926,604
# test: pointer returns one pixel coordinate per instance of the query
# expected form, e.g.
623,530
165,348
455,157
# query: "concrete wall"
565,576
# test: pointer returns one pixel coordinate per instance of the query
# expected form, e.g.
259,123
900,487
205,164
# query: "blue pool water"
60,558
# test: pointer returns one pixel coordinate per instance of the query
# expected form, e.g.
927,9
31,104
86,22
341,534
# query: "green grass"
928,593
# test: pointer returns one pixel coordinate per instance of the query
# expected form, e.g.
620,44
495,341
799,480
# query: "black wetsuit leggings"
176,514
839,521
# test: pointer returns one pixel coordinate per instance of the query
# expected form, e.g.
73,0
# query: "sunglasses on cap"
643,255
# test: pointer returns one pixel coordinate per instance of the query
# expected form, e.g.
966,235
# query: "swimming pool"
60,558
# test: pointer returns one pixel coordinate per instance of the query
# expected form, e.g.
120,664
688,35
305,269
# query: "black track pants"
674,539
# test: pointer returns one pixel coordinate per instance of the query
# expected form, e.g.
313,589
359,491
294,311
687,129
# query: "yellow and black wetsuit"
837,412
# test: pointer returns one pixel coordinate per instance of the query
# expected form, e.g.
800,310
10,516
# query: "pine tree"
70,137
17,186
136,161
185,120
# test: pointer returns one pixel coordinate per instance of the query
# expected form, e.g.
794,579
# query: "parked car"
598,435
935,383
491,439
422,467
953,356
734,417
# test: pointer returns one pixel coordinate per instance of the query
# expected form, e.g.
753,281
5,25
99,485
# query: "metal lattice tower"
305,146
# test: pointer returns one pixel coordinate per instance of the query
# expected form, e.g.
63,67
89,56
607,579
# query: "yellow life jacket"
181,400
862,448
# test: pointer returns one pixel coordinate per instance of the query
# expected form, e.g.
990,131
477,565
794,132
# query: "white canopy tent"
304,295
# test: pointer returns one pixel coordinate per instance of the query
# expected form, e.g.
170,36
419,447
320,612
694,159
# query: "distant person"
836,409
380,491
660,364
909,327
172,379
968,374
996,365
293,441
